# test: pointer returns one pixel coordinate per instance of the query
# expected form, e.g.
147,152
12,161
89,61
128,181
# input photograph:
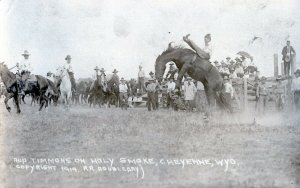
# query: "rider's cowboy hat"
26,53
297,71
238,59
96,68
208,36
68,57
115,71
102,70
171,64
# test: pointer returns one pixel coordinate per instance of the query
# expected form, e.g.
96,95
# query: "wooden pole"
282,69
245,95
275,65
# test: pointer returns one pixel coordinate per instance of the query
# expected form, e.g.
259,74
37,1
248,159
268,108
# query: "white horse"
65,85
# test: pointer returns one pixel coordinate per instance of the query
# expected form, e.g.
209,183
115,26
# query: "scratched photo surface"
76,129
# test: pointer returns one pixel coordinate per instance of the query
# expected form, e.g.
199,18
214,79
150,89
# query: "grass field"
266,154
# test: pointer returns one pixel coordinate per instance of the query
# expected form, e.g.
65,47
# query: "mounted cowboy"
24,69
68,67
103,80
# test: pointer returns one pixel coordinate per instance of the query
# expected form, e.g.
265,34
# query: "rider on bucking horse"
205,52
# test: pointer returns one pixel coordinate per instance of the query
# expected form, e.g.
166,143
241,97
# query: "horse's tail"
221,100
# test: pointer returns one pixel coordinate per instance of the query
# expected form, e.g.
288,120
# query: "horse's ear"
170,45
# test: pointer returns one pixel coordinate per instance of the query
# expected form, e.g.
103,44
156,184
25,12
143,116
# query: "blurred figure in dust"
228,90
296,89
261,95
279,92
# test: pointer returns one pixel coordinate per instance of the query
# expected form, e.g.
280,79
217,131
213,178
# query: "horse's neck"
7,76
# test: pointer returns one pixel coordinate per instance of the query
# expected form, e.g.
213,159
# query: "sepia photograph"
149,93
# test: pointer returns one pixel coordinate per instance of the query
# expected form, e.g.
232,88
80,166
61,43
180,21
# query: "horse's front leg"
181,73
9,96
16,96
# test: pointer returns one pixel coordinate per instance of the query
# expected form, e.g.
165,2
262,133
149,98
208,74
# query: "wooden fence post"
275,65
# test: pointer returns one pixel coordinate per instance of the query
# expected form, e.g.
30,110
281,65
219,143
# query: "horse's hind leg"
15,95
9,96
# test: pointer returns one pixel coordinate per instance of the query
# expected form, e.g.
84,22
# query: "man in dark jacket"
287,54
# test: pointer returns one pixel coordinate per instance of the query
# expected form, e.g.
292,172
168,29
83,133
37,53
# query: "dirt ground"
263,154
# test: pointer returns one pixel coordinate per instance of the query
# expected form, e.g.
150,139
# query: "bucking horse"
188,62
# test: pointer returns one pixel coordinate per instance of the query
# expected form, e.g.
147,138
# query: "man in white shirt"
189,94
141,79
171,87
206,51
123,94
24,69
228,90
68,66
296,89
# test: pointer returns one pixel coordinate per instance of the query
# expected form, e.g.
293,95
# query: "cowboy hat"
151,73
96,68
223,62
122,79
225,78
297,71
26,53
243,57
68,57
189,78
208,36
171,64
228,58
102,70
115,71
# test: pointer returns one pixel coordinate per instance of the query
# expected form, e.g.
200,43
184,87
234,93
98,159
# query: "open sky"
123,34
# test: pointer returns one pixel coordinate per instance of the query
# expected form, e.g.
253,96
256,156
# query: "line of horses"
94,93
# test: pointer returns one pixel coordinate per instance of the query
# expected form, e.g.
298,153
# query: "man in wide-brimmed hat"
151,74
279,91
141,79
24,69
261,95
288,53
189,93
296,88
69,68
204,53
123,89
151,90
171,72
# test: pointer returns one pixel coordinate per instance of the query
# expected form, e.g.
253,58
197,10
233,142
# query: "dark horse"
10,81
112,90
187,61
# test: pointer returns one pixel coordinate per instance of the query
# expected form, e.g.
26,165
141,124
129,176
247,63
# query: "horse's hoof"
18,111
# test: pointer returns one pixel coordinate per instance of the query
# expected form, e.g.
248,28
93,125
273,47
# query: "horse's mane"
173,48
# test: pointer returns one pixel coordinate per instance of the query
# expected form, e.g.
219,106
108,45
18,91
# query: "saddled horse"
112,90
187,61
10,82
65,86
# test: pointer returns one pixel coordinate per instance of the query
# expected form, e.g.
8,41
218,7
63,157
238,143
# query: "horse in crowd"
187,61
64,84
